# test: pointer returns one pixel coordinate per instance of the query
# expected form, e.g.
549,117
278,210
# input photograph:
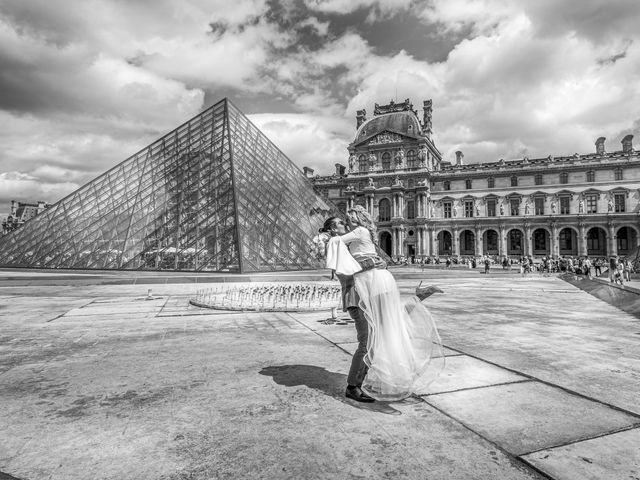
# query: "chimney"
339,169
308,172
600,145
361,117
627,144
459,157
426,118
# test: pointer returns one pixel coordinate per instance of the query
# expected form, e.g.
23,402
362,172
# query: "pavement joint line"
560,387
635,426
64,313
497,446
479,387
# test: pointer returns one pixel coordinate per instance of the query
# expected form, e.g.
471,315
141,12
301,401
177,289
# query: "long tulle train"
404,351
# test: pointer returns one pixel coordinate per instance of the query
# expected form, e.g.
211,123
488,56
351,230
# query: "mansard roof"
404,123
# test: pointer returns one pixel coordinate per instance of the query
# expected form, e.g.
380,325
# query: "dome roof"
404,123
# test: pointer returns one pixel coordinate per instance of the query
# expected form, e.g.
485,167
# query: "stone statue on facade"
581,206
477,209
610,206
397,182
371,184
399,158
527,207
501,208
422,156
553,207
373,161
455,209
352,161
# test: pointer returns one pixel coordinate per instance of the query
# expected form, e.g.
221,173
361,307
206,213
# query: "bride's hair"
363,219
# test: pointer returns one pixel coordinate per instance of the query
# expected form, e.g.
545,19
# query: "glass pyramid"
213,195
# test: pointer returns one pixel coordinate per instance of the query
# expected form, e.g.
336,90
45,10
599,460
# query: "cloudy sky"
86,83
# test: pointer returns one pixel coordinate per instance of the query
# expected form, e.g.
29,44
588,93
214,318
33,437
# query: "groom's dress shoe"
358,395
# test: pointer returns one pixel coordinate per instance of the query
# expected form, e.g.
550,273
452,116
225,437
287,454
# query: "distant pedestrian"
587,267
487,265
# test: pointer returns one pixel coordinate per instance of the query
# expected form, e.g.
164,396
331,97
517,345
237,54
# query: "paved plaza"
102,379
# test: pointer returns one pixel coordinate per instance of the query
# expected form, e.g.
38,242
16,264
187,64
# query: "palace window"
491,207
384,210
362,164
446,185
515,206
386,161
592,203
468,208
342,207
514,181
446,208
411,210
619,202
565,239
565,205
412,159
564,177
593,239
618,174
539,205
467,184
538,179
491,182
591,176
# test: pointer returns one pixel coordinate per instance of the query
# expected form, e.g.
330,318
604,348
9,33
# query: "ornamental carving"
384,138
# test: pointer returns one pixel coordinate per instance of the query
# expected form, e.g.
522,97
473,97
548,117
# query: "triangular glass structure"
213,195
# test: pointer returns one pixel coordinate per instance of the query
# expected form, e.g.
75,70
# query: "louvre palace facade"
583,204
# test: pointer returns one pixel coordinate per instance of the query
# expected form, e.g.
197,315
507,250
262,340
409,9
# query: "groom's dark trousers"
350,299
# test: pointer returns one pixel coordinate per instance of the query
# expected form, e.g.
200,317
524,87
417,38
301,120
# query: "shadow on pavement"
331,384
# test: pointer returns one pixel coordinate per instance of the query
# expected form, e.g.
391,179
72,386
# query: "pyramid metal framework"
213,195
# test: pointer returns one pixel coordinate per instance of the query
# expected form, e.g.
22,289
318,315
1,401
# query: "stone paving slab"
529,416
610,457
463,372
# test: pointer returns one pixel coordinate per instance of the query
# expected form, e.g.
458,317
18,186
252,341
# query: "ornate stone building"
574,205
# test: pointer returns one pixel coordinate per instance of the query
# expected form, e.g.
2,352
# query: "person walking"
587,267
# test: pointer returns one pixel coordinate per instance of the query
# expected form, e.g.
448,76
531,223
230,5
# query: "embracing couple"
399,350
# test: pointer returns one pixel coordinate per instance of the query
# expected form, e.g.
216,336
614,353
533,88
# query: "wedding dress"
404,351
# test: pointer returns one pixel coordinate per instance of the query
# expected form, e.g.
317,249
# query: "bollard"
149,296
334,313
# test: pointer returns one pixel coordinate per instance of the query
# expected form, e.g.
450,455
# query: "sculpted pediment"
385,138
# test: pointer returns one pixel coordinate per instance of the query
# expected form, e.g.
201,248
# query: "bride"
404,353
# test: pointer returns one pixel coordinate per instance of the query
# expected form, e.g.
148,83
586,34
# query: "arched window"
384,210
362,163
446,185
618,174
386,161
491,182
591,176
412,159
514,181
564,177
538,179
467,184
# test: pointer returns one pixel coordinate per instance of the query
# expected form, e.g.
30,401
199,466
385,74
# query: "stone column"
370,203
419,241
350,201
434,242
400,205
502,242
529,240
478,234
612,239
555,248
582,240
455,243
